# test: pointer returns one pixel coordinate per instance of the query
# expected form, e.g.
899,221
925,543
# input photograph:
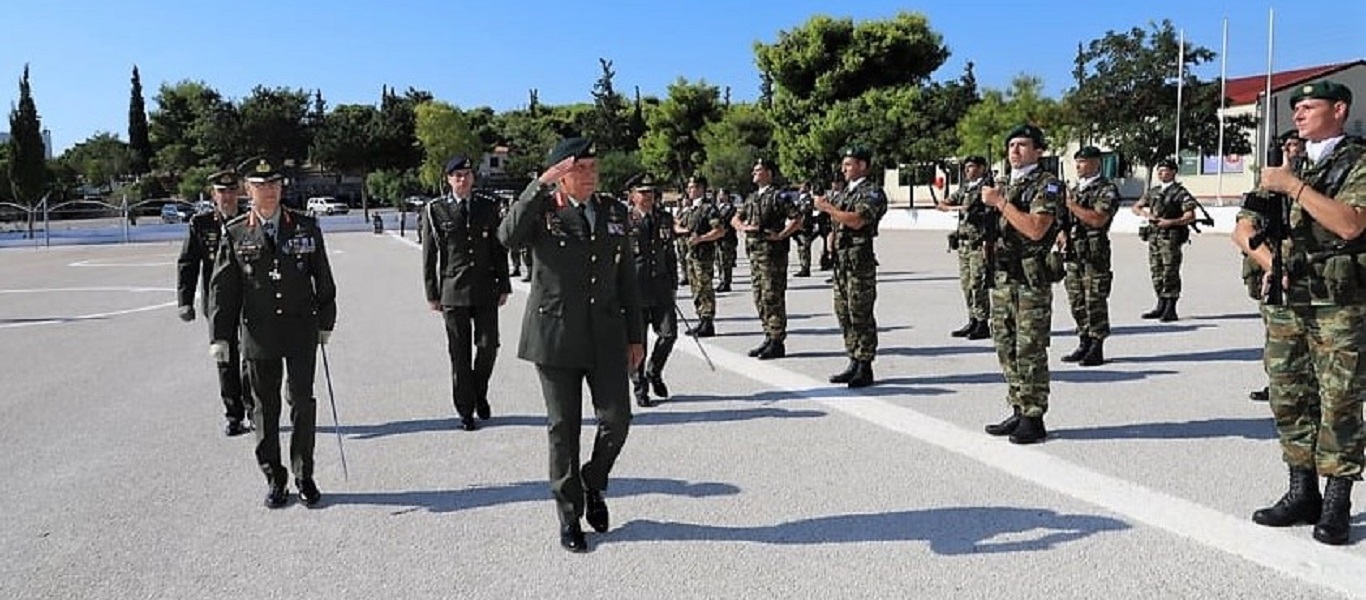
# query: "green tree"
194,182
192,125
443,131
980,130
100,159
28,173
139,142
831,81
392,186
732,144
615,167
672,148
274,124
395,144
6,190
1126,96
609,126
528,137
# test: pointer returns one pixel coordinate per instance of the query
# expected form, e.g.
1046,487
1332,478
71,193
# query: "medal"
274,274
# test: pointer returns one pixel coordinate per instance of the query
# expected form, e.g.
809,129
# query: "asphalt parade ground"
757,480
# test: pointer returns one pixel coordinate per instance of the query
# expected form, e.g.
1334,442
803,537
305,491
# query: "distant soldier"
855,213
700,231
195,268
465,273
768,221
1169,209
967,240
1085,242
583,324
681,212
652,236
272,282
730,241
807,234
1022,295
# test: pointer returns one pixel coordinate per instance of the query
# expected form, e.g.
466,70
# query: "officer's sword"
693,335
336,425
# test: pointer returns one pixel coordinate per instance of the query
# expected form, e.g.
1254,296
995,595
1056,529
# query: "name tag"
300,245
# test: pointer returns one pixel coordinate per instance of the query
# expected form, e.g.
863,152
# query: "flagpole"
1180,72
1223,97
1268,115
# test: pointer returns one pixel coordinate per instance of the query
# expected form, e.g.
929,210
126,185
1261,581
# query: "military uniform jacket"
701,220
463,263
1022,259
969,196
1170,203
195,265
652,244
726,210
866,200
1100,195
1324,269
770,210
584,305
279,293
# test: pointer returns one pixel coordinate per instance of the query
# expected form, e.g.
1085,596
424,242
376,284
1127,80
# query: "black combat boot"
1029,431
803,272
706,327
863,375
981,331
845,375
1082,348
1157,310
1262,395
1007,426
1301,505
775,349
963,331
1335,524
1095,354
1169,313
761,348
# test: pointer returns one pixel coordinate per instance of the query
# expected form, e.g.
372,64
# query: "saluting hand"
635,354
557,171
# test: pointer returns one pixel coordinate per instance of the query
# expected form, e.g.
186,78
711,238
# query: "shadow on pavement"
642,417
949,531
443,501
1227,354
1252,429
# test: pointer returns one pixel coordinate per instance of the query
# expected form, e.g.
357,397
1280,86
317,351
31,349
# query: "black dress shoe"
571,539
469,424
235,428
595,511
657,386
308,492
482,409
277,496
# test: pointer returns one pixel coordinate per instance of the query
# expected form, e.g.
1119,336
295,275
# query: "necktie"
583,214
269,227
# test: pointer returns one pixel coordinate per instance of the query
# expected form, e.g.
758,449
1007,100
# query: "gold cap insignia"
1308,89
263,167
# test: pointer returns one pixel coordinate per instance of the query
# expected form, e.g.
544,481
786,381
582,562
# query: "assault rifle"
990,223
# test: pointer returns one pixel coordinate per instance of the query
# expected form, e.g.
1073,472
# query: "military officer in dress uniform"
272,284
195,267
768,221
583,322
855,213
1170,209
652,236
465,272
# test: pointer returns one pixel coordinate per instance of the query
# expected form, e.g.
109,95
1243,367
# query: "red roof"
1244,90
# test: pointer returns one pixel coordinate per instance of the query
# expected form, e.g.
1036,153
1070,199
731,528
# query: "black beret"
261,170
643,182
980,161
1087,152
576,147
1027,131
767,163
698,179
857,151
1323,90
1168,163
457,163
224,180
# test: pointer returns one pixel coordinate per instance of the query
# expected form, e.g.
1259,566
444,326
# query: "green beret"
767,164
856,151
1323,90
1027,131
224,180
1087,152
1168,163
643,182
698,179
576,147
975,160
261,170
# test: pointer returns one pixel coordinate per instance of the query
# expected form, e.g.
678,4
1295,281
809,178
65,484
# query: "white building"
47,142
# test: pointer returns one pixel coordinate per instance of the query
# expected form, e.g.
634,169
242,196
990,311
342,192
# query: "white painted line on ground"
106,262
63,320
87,289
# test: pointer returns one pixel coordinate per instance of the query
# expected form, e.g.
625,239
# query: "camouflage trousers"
1318,381
726,260
1164,262
804,250
972,274
855,287
768,274
1021,317
681,246
1088,285
700,269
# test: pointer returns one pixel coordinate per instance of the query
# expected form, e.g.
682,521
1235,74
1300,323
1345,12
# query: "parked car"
414,203
326,205
172,212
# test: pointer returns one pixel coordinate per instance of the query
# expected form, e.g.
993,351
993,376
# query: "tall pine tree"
27,157
139,143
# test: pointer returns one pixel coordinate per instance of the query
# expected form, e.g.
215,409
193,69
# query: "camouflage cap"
261,170
1027,131
576,147
1087,152
1331,91
857,151
224,180
980,161
459,162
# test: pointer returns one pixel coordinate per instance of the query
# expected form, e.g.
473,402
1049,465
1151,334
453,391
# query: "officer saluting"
195,266
465,271
582,322
273,285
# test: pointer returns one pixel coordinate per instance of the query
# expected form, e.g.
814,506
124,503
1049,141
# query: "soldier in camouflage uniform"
1085,242
730,241
1292,149
967,240
807,234
855,213
1314,337
699,231
1170,210
1022,296
768,220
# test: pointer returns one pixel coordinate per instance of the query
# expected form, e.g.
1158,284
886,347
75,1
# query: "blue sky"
491,52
